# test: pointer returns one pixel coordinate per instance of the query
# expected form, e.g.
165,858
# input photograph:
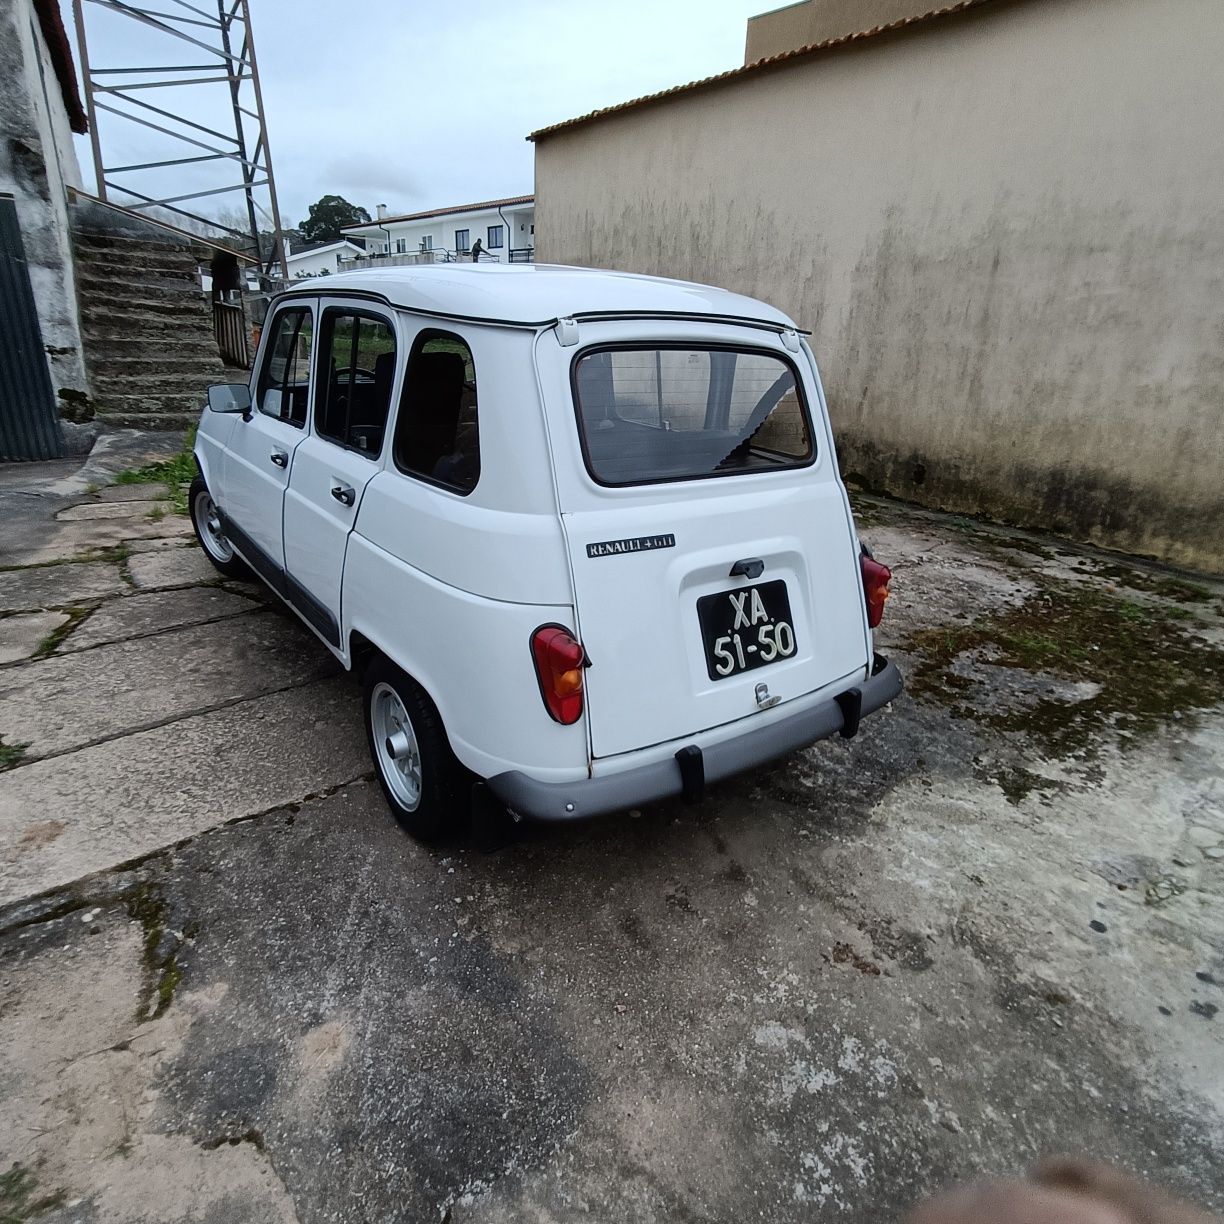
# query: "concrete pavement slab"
140,615
56,704
154,491
58,586
110,510
161,543
67,540
67,817
20,636
171,568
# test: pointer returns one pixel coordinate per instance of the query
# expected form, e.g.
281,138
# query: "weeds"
176,474
19,1198
11,755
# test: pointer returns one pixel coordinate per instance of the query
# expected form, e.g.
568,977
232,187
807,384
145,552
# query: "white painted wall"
37,163
518,223
323,259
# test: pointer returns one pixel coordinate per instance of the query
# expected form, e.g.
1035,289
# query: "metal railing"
412,259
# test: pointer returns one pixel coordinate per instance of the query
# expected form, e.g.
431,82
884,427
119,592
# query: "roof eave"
772,61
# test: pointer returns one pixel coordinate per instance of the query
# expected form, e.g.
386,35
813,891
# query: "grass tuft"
19,1197
11,755
176,474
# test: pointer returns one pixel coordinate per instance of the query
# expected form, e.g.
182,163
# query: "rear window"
676,413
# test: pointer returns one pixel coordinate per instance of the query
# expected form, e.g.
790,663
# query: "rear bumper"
693,766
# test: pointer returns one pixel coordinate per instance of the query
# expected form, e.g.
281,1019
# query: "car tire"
208,531
425,786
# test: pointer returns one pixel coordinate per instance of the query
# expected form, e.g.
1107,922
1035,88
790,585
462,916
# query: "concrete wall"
1004,229
37,160
816,21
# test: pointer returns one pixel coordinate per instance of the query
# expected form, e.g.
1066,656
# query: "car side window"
437,435
357,368
284,380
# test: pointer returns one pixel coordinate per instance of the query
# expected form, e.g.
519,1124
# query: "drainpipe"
506,227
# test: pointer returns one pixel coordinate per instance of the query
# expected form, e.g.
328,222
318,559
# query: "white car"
581,533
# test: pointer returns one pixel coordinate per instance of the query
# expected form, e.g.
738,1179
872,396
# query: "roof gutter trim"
539,324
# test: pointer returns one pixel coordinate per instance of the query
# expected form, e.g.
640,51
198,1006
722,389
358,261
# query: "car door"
355,373
259,459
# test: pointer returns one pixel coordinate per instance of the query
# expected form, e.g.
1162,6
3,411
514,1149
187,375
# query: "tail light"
559,660
876,578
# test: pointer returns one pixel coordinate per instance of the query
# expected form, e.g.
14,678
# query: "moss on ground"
1151,669
20,1199
161,948
11,755
76,614
175,473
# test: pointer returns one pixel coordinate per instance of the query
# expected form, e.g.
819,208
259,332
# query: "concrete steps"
147,326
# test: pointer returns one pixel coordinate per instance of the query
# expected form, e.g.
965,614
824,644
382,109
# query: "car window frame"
307,306
423,335
358,308
690,346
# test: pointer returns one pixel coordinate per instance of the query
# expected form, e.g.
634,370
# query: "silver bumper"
692,768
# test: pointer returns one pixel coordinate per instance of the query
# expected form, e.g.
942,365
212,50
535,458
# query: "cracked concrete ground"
988,929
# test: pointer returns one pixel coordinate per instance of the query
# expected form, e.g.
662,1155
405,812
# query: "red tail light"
876,578
559,660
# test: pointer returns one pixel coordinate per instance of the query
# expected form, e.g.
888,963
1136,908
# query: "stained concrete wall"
1004,229
816,21
37,161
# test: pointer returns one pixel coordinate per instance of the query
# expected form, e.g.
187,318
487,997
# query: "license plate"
746,629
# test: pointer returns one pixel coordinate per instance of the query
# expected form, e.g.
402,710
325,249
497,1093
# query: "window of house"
436,435
463,241
356,373
496,236
679,413
401,246
284,380
427,242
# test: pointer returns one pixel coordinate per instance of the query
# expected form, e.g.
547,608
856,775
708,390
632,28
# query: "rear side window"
357,370
674,413
284,381
437,435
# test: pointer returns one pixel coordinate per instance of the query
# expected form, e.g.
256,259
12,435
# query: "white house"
319,260
504,228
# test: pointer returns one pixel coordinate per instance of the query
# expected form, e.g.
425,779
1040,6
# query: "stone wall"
37,161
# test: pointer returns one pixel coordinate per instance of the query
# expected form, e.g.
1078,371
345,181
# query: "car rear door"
713,555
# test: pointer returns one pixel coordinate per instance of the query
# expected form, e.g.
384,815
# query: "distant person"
477,251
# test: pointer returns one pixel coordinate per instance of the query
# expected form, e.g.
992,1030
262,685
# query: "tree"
327,215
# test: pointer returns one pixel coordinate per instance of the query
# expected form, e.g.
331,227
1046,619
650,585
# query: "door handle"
280,458
346,495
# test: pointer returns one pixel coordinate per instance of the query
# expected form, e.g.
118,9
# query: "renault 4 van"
582,534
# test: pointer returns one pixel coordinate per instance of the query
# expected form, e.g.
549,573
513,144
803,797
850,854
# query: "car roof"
537,295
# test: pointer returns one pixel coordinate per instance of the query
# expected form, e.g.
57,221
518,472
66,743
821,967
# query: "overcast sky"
418,105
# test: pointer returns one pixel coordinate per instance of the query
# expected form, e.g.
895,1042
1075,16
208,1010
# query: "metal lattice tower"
239,142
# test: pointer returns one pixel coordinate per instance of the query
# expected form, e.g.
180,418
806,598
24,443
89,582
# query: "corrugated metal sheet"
29,423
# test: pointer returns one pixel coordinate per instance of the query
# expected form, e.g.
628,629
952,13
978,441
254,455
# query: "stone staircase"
146,325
